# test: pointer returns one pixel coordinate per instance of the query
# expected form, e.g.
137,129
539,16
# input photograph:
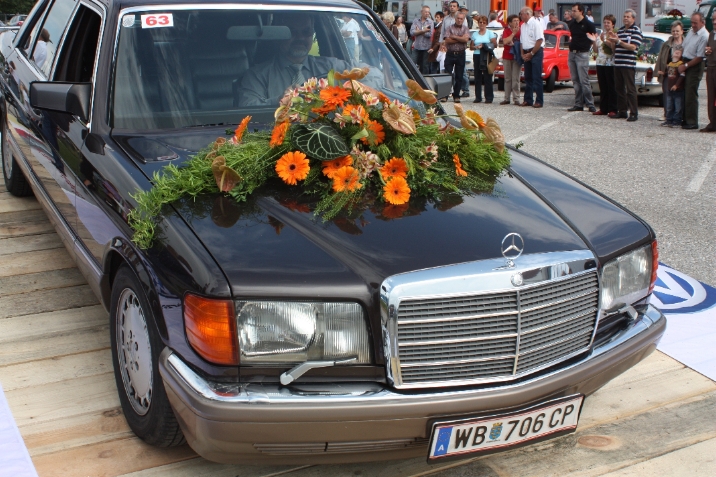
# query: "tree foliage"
11,7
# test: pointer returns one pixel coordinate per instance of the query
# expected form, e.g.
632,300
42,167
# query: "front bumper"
332,423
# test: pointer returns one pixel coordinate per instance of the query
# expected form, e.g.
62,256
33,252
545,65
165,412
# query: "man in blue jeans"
583,34
531,40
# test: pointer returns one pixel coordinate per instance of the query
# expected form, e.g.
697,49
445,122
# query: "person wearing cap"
539,16
468,18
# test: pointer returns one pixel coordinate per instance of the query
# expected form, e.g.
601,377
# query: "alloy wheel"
134,352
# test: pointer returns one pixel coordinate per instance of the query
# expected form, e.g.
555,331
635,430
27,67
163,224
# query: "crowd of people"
439,44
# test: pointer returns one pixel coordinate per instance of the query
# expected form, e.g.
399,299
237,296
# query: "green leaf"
319,141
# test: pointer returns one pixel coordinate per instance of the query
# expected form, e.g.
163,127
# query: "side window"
77,58
564,42
33,22
45,49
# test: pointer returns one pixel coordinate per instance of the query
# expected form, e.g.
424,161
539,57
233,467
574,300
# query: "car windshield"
550,40
198,67
651,46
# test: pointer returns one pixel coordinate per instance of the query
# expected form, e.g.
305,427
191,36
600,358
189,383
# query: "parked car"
463,327
16,20
555,66
663,25
647,82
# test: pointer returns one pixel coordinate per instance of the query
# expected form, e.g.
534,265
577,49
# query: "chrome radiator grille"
496,337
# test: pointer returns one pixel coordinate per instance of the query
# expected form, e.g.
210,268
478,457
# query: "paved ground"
667,176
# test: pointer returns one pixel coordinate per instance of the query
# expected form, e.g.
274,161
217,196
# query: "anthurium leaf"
319,141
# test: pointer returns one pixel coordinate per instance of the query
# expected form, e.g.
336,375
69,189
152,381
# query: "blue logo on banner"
441,446
676,292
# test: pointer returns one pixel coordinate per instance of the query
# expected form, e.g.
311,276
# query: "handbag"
492,65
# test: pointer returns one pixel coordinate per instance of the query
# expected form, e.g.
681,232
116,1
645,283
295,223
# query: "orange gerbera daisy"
239,133
383,98
279,134
324,109
331,167
376,133
396,191
292,167
458,166
335,95
346,179
355,112
395,167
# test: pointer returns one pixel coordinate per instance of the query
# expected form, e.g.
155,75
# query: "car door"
563,57
41,136
76,63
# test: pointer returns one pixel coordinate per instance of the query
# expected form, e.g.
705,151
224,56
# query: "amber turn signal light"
211,329
654,264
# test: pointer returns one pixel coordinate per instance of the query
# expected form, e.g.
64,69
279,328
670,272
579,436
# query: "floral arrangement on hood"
342,142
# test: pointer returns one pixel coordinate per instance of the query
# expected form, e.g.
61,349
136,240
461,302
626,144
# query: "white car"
647,82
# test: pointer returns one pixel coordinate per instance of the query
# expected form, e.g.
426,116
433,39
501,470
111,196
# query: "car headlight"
629,277
273,332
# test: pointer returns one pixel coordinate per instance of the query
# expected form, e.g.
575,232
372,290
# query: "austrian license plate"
495,433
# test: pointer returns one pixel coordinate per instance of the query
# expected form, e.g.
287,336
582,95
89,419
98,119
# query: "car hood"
274,245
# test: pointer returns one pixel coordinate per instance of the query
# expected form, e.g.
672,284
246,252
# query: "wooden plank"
19,204
75,431
202,468
42,301
55,369
30,282
698,460
72,397
32,243
108,459
14,224
77,341
36,261
51,324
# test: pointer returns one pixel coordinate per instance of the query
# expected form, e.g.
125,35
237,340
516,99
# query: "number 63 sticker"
158,20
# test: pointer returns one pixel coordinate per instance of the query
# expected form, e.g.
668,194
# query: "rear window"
204,66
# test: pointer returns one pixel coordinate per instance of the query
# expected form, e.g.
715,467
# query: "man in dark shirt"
583,34
456,37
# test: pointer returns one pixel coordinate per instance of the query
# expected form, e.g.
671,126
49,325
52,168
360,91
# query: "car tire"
500,84
136,346
549,85
15,181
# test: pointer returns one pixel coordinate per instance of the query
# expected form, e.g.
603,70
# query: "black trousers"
482,78
455,65
607,92
421,60
626,90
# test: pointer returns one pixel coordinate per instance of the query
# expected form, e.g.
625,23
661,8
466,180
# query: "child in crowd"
675,96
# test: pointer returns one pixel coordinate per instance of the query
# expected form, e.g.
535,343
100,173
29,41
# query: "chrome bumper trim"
367,393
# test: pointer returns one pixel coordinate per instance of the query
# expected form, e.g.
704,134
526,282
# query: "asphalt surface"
667,176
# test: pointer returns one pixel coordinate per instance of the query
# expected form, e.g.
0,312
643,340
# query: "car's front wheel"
15,182
551,80
135,352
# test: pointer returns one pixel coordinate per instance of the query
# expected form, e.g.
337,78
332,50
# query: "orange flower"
335,95
239,133
395,167
278,134
292,167
458,166
475,117
376,134
396,191
383,98
331,167
354,74
325,109
346,179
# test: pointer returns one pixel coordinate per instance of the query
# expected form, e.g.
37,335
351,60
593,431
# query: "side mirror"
72,98
440,83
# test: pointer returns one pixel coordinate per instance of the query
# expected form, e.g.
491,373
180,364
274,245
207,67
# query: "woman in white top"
605,69
402,32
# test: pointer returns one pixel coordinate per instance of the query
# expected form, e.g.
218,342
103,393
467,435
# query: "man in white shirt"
350,30
531,40
493,21
694,51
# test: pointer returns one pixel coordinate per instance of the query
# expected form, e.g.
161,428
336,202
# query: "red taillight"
654,264
592,73
649,74
211,329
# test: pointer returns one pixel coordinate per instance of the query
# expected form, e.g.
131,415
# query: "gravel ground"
667,176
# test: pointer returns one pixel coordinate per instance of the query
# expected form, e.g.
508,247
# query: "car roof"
278,3
652,34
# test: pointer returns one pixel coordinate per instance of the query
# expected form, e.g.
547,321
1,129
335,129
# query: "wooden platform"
56,369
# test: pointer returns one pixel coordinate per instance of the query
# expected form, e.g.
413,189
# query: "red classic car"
555,64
